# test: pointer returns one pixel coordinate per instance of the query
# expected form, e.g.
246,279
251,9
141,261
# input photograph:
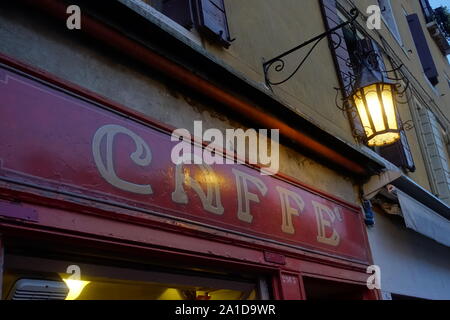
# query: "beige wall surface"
265,28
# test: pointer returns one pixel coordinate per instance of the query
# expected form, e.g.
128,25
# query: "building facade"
89,191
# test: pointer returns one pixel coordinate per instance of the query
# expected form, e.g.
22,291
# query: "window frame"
396,32
171,25
427,146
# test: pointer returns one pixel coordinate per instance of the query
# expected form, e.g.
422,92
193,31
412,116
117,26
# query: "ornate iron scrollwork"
278,63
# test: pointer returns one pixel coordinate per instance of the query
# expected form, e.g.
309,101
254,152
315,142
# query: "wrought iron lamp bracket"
278,63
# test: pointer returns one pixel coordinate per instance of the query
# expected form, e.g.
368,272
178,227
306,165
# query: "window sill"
148,12
433,88
397,38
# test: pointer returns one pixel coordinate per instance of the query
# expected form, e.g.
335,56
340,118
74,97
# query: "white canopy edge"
424,220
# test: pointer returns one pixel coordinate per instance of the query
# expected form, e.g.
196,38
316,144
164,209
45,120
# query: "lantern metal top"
369,73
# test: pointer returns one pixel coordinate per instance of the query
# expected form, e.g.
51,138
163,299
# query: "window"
177,10
389,18
207,16
437,144
43,276
320,290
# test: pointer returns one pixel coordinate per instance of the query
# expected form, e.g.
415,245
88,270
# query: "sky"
438,3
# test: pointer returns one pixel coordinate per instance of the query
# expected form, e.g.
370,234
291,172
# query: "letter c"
142,157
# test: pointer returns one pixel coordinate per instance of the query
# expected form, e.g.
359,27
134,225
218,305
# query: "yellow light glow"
363,114
372,113
389,108
75,288
171,294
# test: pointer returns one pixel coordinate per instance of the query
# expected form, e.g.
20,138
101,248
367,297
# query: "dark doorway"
320,289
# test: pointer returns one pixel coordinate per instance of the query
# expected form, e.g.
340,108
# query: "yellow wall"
265,28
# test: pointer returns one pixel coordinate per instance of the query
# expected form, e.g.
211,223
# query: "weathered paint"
57,141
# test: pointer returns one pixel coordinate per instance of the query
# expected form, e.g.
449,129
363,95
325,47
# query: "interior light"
75,288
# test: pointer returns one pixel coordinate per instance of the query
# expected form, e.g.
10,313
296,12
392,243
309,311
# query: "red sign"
55,140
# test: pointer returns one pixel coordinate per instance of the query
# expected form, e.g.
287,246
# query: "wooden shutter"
212,20
399,153
179,11
340,54
422,48
341,57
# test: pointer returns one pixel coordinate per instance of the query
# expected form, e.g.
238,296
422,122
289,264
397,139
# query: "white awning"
424,220
423,211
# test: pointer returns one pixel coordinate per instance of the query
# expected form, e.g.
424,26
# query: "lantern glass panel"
376,109
363,115
389,109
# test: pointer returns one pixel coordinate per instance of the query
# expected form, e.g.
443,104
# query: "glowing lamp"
374,99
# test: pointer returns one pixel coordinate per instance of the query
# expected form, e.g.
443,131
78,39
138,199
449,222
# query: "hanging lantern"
374,99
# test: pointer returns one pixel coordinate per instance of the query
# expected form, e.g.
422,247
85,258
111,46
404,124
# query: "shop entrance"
321,289
41,275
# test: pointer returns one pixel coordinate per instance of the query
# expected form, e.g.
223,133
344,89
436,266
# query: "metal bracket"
278,63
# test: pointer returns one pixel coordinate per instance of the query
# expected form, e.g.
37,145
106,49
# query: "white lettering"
245,196
211,200
323,223
142,157
287,211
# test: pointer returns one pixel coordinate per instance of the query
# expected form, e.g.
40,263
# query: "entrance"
321,289
56,275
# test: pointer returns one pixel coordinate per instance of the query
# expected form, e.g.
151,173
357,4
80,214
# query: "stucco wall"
411,264
265,28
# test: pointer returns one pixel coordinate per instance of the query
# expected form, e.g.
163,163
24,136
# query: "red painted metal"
274,257
2,255
16,211
122,43
291,285
48,142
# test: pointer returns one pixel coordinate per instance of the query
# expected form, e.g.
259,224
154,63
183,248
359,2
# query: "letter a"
74,20
374,19
374,281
